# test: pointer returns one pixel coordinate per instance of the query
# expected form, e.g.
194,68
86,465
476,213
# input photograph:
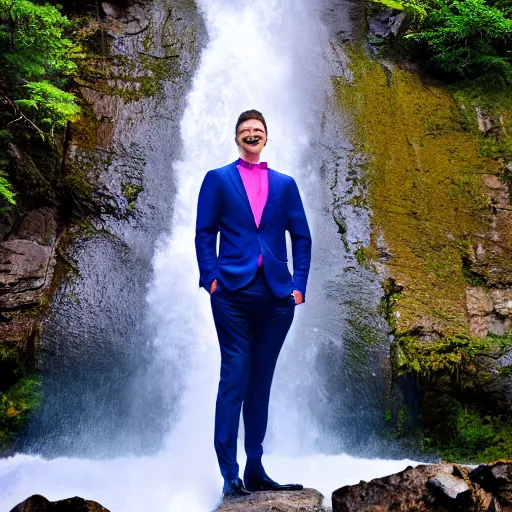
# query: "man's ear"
236,142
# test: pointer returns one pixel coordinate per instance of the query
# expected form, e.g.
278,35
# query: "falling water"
274,56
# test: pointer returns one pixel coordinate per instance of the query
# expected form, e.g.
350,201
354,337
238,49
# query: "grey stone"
307,500
498,325
478,301
502,300
386,23
38,503
495,478
451,488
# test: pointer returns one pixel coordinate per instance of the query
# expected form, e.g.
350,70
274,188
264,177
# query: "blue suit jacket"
224,206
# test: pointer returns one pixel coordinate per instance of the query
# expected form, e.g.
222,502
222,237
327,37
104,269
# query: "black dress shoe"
265,483
234,488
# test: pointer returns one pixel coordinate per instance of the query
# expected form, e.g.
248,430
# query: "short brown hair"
250,114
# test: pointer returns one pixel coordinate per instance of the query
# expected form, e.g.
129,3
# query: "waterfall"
273,56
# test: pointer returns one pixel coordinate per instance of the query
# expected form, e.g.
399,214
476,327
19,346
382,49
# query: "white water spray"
260,55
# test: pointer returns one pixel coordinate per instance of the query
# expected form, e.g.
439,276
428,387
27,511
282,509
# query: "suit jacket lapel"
239,185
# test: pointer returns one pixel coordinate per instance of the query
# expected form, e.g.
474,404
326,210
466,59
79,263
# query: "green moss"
392,291
361,257
454,356
505,371
425,187
367,334
492,99
131,191
16,404
401,422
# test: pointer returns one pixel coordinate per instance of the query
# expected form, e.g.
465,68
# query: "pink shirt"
256,185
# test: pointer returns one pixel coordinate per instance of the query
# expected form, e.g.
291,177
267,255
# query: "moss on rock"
16,404
425,187
426,168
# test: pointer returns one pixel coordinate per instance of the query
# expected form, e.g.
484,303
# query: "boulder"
495,478
436,487
39,503
451,490
386,23
307,500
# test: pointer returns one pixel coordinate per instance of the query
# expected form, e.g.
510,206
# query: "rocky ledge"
308,500
434,487
39,503
437,487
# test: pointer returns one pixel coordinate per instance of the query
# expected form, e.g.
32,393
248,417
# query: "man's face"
251,136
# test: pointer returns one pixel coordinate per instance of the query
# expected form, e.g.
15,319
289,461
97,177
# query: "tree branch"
8,100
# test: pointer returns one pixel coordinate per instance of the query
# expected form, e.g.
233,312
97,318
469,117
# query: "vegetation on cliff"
458,39
426,160
439,159
37,60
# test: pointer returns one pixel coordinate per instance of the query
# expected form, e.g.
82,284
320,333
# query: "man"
253,294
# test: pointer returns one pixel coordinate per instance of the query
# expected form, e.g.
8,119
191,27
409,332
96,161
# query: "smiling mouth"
253,140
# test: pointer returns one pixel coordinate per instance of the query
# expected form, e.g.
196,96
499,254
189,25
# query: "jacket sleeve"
301,239
207,227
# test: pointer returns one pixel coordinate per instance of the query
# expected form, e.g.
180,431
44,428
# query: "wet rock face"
39,503
27,262
308,500
437,487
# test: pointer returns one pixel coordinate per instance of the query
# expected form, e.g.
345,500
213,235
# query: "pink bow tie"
248,165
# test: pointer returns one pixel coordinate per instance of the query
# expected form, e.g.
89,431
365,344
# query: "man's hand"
297,296
213,286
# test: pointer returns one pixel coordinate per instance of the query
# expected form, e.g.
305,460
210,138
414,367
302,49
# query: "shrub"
38,58
460,38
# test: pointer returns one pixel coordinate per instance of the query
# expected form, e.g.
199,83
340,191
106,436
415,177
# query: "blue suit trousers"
251,325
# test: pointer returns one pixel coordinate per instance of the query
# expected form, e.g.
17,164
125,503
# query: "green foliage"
415,9
38,58
464,433
33,39
15,406
460,38
131,191
10,368
458,423
6,192
464,38
54,106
